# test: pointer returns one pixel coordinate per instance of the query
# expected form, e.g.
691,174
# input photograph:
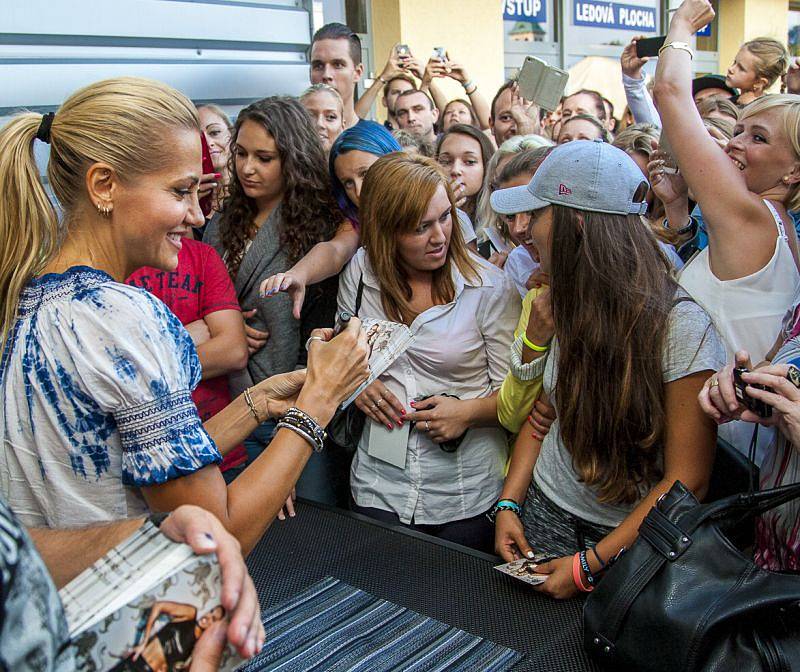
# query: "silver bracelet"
315,445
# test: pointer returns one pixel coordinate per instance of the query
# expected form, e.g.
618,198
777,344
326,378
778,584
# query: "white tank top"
747,311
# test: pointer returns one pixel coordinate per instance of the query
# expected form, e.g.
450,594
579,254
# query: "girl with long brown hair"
279,206
437,402
623,360
463,151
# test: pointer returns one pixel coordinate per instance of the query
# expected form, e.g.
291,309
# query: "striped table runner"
334,627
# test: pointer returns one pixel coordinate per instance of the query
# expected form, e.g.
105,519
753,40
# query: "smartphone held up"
542,84
649,47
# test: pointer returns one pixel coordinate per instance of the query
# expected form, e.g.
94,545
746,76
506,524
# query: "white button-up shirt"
461,348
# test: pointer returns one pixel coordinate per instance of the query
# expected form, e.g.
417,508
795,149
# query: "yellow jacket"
517,394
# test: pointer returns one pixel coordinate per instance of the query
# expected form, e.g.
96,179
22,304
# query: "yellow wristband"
533,346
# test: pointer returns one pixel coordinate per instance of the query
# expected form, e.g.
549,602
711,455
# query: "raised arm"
322,261
434,68
523,382
392,68
479,104
738,221
636,94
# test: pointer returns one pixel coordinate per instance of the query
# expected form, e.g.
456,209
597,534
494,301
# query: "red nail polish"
217,175
414,404
389,427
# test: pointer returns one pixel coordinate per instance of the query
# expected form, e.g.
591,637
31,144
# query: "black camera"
760,408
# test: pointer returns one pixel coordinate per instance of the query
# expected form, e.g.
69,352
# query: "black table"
438,579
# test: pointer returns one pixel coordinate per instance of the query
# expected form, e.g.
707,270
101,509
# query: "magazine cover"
146,614
388,340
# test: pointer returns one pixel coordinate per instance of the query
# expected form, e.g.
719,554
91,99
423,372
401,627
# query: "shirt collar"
484,279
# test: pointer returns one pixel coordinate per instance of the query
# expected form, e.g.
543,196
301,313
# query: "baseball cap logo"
564,190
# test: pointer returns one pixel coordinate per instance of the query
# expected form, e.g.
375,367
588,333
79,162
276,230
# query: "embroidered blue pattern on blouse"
102,366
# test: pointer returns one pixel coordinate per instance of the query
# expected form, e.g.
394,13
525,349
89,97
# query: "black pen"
342,320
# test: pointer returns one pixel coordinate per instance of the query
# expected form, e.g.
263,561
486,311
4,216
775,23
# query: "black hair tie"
43,133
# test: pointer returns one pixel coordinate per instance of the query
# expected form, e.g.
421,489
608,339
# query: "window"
793,39
707,39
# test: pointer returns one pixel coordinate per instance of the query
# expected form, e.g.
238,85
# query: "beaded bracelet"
303,424
504,505
307,424
302,433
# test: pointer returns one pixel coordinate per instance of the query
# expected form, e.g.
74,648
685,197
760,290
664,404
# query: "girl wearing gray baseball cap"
623,363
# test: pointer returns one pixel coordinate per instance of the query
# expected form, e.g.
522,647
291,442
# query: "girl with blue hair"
351,156
354,151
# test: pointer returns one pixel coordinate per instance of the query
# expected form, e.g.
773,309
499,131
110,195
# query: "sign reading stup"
524,10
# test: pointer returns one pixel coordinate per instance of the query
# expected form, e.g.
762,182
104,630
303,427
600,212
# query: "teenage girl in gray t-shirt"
629,353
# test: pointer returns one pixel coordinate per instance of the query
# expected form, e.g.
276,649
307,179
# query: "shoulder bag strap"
359,293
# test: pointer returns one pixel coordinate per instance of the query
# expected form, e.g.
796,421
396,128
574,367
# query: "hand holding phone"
542,84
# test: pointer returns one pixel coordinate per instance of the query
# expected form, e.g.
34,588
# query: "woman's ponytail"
28,222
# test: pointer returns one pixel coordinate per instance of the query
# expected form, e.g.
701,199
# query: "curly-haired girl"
279,206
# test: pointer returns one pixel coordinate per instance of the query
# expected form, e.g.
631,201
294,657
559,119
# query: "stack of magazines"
144,605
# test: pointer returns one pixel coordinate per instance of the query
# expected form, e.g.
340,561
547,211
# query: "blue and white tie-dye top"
96,381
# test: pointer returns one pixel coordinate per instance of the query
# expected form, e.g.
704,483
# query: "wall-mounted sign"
615,15
524,10
705,32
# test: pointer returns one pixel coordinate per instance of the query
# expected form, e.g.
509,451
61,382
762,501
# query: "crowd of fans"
580,288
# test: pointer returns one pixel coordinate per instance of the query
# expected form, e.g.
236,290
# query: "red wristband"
577,576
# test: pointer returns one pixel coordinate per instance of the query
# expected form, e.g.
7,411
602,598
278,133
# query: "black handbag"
685,598
347,425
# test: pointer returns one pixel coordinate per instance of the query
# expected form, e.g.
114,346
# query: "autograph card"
524,570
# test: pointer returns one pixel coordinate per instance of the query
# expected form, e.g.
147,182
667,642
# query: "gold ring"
379,402
427,426
714,383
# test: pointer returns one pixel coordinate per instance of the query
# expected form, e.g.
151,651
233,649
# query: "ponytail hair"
28,222
123,122
772,59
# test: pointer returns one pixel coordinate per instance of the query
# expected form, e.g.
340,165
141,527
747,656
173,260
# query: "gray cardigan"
263,258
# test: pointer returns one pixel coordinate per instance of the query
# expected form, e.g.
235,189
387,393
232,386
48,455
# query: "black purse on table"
685,598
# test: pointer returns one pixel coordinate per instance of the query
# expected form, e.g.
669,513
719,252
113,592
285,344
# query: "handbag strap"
754,503
359,293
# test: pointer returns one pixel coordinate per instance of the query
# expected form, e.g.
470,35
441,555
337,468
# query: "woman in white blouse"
415,269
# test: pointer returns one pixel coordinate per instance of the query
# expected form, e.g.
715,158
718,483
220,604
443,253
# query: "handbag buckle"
664,535
603,646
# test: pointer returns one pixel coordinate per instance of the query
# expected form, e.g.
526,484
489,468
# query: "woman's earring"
786,179
104,210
